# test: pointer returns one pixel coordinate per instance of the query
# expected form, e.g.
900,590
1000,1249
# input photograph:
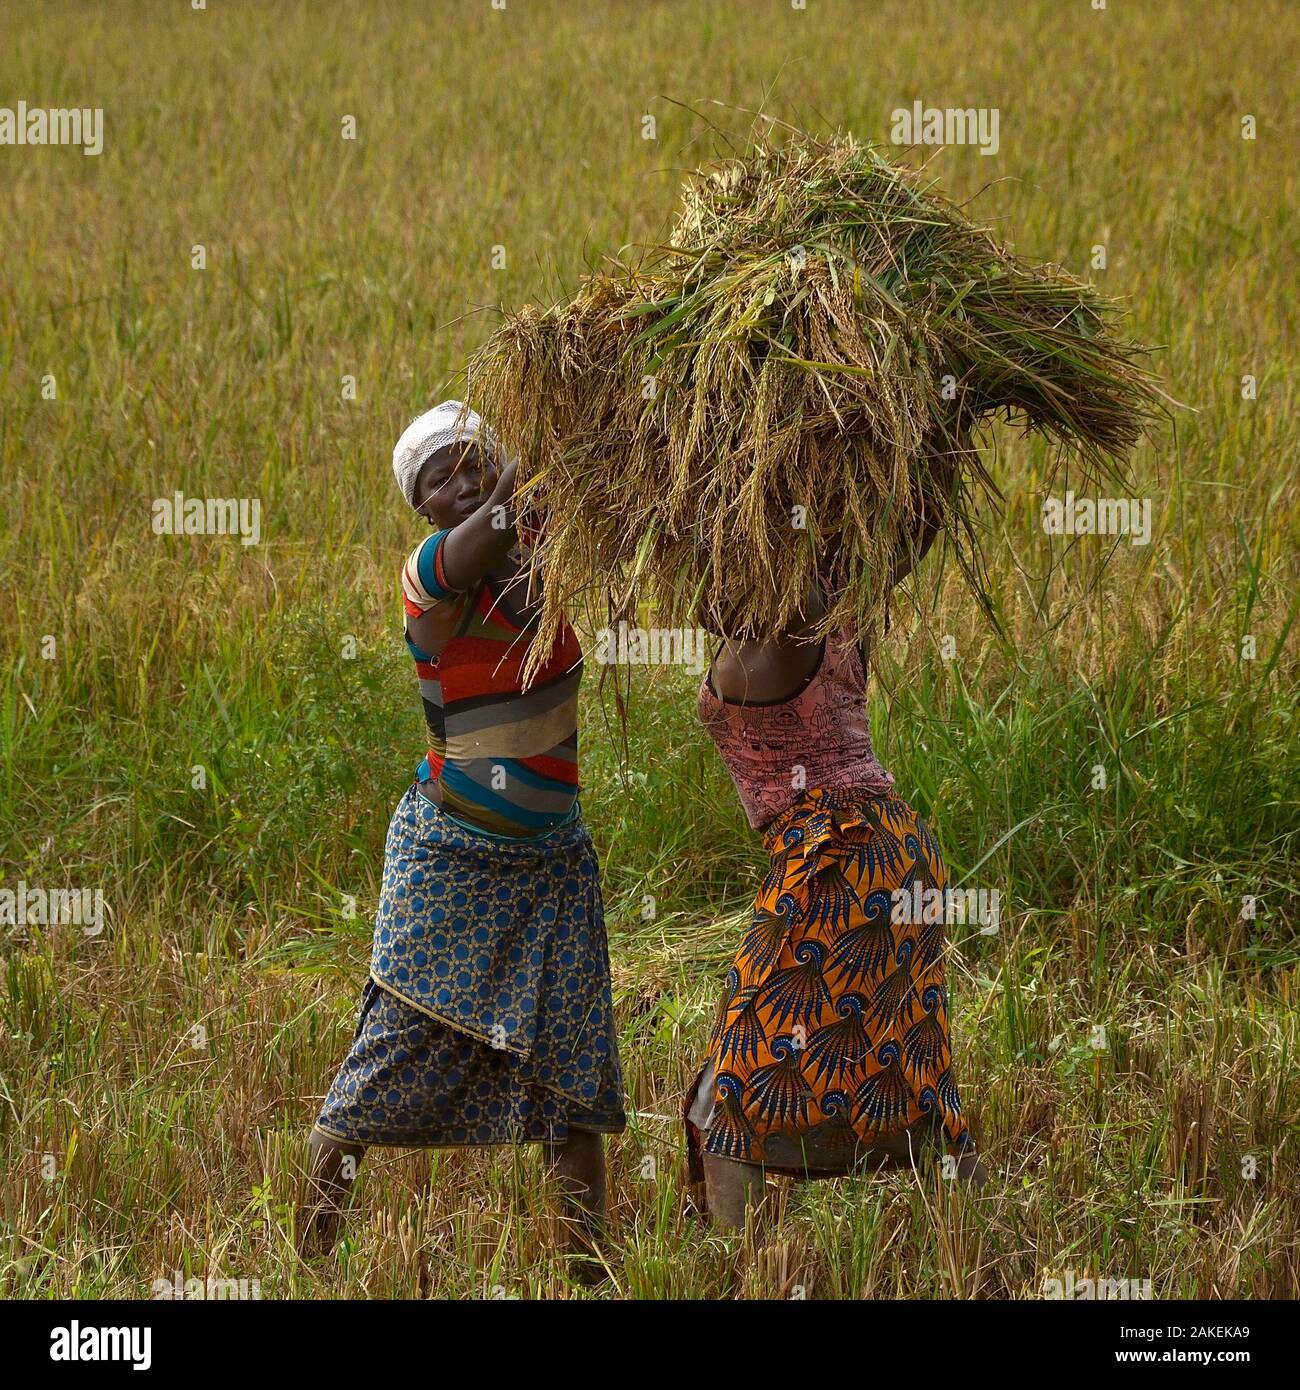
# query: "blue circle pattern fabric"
488,1016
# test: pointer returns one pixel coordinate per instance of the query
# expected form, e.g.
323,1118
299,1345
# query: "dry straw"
786,389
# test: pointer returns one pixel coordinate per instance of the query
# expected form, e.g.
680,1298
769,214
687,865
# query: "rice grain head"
779,393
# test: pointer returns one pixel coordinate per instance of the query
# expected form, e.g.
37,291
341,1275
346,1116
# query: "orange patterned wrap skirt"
833,1028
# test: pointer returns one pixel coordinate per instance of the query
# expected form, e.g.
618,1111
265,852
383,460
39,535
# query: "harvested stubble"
788,386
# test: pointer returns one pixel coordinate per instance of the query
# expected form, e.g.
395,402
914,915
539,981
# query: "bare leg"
970,1170
333,1168
578,1165
733,1189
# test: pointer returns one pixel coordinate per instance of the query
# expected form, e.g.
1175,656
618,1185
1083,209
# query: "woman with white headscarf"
487,1018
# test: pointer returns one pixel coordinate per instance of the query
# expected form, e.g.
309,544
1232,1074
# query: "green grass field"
1127,1043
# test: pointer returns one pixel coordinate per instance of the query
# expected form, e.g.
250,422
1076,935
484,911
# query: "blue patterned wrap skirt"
488,1016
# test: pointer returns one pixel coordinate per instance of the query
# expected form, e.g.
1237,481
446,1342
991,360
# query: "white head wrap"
451,422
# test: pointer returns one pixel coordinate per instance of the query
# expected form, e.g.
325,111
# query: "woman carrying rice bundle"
759,423
831,1046
487,1018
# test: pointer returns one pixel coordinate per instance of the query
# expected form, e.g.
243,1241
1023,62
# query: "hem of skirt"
965,1143
697,1144
860,1163
415,1143
445,1021
479,1037
962,1144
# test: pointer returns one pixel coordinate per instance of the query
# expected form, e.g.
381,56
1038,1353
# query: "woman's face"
451,485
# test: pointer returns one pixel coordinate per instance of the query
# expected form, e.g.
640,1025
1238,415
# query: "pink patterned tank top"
817,737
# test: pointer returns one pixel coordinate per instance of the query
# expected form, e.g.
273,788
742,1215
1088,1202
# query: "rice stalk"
789,387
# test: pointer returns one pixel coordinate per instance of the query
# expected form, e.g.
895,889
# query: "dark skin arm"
774,668
476,547
480,545
769,668
481,536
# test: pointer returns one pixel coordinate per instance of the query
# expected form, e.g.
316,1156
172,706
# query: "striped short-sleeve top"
505,758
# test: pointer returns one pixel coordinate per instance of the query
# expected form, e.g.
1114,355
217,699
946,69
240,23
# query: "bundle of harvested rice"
785,388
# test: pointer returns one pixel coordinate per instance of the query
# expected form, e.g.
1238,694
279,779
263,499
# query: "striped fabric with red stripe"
505,758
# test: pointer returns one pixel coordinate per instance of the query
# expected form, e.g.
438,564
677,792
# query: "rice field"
291,242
